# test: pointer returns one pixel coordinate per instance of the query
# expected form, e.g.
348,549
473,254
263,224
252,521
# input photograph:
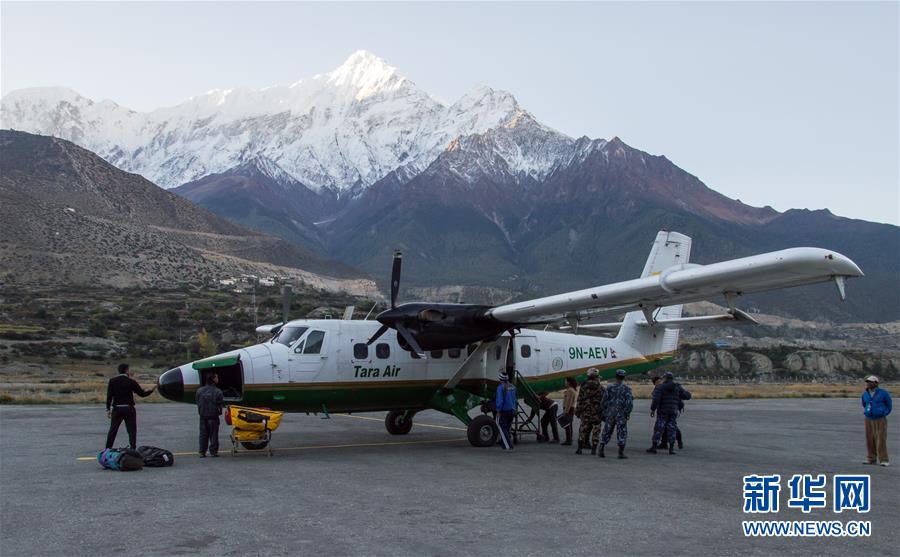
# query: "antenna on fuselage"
374,305
285,301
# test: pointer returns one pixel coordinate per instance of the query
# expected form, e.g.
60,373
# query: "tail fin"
669,249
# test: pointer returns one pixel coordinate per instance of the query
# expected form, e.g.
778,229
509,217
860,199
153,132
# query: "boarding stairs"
528,405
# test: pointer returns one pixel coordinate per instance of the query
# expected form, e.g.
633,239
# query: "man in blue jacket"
877,405
506,410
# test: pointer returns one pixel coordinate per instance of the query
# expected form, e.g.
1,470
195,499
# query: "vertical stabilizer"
670,249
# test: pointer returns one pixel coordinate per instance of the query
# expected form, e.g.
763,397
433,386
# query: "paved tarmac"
344,486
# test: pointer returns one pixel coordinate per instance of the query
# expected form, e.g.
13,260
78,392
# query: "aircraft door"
527,358
308,356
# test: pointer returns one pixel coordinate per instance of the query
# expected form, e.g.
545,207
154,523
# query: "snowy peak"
341,131
366,73
520,148
265,167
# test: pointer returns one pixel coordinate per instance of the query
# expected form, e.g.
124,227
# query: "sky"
793,105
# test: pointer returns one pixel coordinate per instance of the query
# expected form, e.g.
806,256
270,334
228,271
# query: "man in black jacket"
548,408
657,380
120,393
210,402
667,401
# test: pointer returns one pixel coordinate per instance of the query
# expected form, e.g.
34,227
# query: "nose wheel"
399,422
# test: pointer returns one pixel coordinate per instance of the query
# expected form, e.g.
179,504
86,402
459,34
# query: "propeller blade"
395,278
381,330
410,339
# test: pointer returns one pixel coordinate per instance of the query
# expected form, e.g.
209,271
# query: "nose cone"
171,384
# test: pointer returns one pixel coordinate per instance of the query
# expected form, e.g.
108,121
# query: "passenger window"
299,348
525,351
437,354
361,351
314,342
454,353
383,350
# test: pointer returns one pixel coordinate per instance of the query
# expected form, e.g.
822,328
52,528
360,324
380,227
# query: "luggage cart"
252,427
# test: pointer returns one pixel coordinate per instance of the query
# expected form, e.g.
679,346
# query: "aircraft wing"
686,283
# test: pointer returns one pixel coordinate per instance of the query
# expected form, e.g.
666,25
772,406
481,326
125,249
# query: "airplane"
447,357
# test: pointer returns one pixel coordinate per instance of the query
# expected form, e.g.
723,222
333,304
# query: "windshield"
288,335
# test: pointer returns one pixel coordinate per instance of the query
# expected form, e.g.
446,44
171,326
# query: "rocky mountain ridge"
71,218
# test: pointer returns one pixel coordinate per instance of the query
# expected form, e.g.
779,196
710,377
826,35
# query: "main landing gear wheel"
482,432
398,423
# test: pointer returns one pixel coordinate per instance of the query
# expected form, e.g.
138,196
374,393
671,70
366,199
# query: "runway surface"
344,486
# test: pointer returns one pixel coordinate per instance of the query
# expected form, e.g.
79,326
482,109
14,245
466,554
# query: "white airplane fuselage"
328,367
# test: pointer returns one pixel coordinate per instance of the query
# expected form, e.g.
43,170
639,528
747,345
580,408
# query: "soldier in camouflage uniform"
618,403
588,409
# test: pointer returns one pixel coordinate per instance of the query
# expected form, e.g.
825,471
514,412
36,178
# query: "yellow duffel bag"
244,435
254,419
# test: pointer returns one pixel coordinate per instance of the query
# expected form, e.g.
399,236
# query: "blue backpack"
120,459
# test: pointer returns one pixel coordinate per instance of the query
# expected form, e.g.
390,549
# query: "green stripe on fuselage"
371,396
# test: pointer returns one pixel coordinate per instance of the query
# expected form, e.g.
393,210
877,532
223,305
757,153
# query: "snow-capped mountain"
343,130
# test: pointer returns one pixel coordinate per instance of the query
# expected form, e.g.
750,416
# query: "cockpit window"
288,335
314,342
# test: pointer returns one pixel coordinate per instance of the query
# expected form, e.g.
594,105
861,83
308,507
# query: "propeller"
395,277
392,318
381,330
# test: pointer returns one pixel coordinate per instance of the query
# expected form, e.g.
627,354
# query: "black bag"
130,460
564,420
251,417
154,457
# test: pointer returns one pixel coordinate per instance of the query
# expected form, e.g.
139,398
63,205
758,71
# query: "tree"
207,344
97,328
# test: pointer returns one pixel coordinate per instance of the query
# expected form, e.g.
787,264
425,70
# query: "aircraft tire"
254,445
482,432
396,424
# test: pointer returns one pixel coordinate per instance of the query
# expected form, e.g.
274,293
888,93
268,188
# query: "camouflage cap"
620,373
593,373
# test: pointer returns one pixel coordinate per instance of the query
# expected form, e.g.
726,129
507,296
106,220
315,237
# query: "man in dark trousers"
505,404
548,408
210,402
657,381
120,393
667,400
618,402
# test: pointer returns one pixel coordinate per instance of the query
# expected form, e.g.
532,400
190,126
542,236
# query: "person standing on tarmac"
120,393
877,405
588,409
210,402
569,407
506,410
667,402
548,409
618,403
657,381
